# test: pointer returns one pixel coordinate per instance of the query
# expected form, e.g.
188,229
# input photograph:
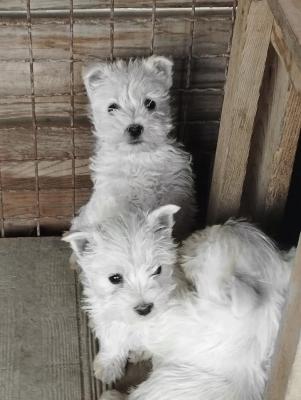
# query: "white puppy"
137,164
128,274
216,342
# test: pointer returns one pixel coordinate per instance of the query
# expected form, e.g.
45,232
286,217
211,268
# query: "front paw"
112,395
139,355
108,371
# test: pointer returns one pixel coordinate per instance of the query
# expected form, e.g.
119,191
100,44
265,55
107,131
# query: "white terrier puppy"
216,342
136,162
128,274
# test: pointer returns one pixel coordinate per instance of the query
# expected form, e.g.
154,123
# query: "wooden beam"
287,14
289,59
288,337
248,56
273,146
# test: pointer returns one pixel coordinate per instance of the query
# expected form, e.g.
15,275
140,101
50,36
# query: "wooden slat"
288,16
294,384
288,337
274,145
12,5
288,58
249,48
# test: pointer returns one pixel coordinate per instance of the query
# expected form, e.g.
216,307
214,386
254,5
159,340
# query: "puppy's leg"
108,369
110,362
73,263
112,395
136,356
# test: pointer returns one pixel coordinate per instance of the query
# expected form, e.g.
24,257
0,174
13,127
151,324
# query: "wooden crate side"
288,337
249,51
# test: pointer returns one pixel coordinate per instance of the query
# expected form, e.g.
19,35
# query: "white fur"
212,343
134,245
144,175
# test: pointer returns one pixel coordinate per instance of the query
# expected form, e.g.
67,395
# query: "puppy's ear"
163,217
162,66
246,294
93,76
79,241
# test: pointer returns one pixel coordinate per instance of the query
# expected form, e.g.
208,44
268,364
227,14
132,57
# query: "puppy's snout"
135,130
144,309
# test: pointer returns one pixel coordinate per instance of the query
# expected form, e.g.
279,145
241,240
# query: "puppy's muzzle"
135,131
144,309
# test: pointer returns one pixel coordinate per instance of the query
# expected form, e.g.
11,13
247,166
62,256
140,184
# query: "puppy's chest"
137,179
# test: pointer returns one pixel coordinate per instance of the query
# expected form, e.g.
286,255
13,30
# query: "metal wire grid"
184,103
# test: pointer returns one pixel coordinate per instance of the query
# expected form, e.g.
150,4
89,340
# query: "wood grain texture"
249,47
288,337
273,146
11,5
288,58
41,355
287,13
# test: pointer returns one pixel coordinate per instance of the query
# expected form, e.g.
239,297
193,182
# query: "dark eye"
158,271
149,104
113,107
116,279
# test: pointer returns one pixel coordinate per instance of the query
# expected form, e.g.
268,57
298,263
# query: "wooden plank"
294,383
42,357
16,143
15,79
250,46
20,204
55,174
274,145
12,5
288,337
288,58
56,142
56,203
18,175
287,13
132,36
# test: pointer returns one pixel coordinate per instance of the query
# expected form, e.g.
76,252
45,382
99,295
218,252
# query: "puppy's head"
130,101
127,263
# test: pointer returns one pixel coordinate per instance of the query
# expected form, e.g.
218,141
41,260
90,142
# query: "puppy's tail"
234,262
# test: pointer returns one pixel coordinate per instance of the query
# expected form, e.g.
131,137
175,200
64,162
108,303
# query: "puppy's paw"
107,371
73,263
139,355
112,395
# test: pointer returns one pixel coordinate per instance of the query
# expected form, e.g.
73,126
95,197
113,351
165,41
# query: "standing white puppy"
136,165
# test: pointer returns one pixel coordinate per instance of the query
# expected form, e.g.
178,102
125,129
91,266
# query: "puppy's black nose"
135,130
144,309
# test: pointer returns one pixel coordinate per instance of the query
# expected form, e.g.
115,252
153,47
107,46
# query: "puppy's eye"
116,279
158,271
113,107
149,104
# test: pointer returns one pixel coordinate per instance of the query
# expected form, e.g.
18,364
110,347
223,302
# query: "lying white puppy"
216,342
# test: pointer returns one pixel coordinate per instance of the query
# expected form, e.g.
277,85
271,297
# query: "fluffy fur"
215,342
137,246
135,173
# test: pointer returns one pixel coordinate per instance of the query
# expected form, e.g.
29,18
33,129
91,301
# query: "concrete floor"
46,347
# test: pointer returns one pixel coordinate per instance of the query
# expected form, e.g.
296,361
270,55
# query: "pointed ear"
78,241
163,217
245,295
162,66
93,76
